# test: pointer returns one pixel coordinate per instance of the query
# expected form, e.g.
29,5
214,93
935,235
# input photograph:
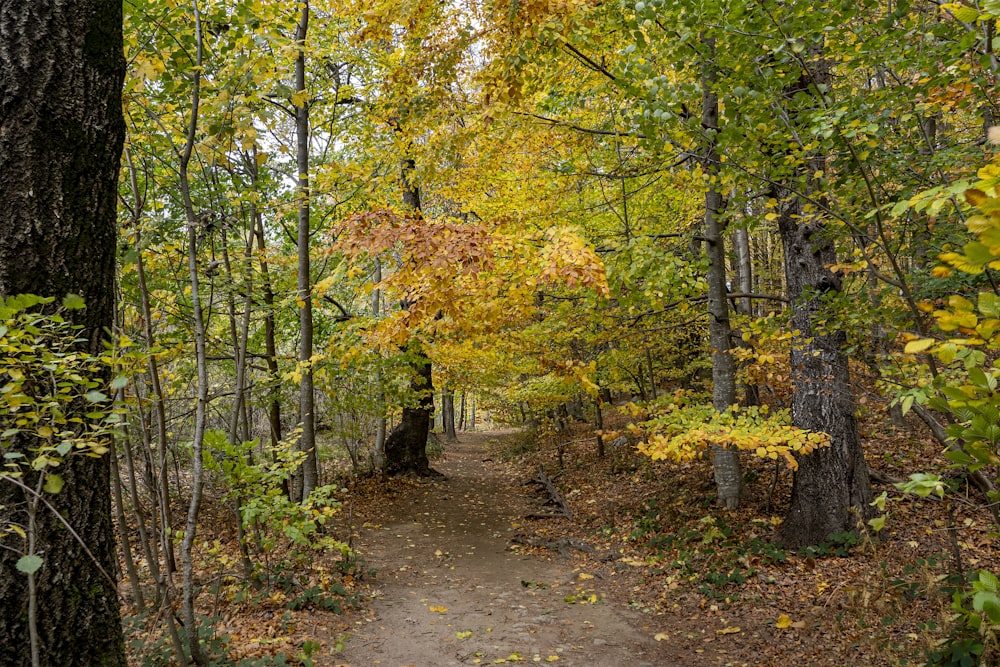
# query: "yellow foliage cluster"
973,324
682,431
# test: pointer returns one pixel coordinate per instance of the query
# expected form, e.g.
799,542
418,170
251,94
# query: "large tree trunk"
406,446
61,134
831,492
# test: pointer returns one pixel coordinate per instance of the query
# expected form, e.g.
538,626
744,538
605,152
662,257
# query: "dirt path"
452,592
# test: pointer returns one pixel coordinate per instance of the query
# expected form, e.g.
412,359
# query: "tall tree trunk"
61,135
726,461
270,347
198,655
831,492
744,306
309,472
162,487
380,420
406,446
599,423
448,414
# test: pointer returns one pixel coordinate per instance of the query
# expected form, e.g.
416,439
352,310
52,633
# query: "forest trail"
450,591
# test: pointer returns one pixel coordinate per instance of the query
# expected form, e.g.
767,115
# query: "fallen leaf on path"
783,622
728,631
437,608
661,636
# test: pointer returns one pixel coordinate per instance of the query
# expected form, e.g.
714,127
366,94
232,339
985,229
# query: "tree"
406,445
726,461
831,492
307,416
61,136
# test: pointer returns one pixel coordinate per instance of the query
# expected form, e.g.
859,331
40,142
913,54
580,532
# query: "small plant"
835,545
977,616
151,649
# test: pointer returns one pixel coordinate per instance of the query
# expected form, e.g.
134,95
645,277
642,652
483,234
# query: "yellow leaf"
661,636
941,272
919,345
584,575
783,622
728,631
437,608
976,197
552,658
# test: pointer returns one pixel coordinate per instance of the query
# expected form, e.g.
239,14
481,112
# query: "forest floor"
647,571
453,589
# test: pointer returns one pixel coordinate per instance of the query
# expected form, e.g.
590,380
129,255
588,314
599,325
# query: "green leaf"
989,581
991,607
978,253
989,304
978,378
73,302
959,457
963,13
53,484
29,564
119,382
95,396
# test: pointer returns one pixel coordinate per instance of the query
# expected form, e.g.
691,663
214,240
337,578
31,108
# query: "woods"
737,240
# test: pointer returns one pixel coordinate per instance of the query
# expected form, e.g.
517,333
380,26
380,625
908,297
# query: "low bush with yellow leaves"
680,428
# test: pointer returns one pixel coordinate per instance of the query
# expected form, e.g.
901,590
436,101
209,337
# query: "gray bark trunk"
188,592
61,134
448,415
726,461
831,492
744,306
309,471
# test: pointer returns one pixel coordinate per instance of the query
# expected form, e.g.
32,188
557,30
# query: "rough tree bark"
61,135
831,492
406,445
